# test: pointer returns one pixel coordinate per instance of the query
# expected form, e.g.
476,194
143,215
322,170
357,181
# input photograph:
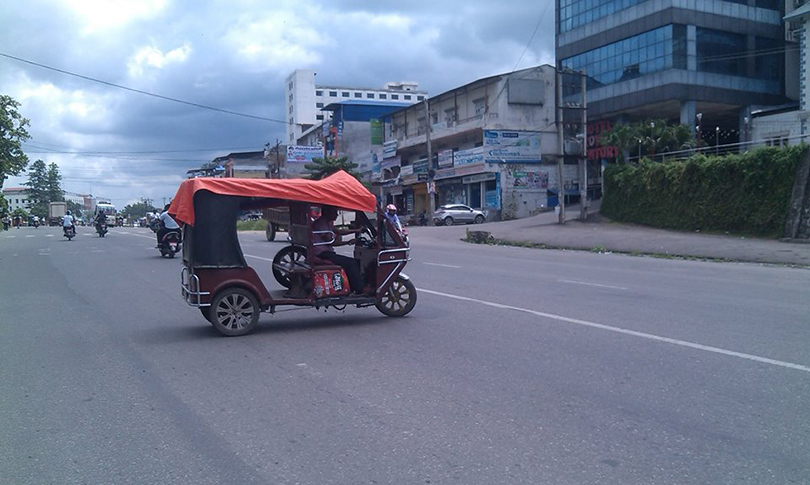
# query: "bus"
109,211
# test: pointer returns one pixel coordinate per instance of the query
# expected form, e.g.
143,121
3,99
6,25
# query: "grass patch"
259,225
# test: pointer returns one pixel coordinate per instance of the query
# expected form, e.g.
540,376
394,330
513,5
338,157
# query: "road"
517,366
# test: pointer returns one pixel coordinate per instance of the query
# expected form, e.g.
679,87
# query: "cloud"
233,55
152,57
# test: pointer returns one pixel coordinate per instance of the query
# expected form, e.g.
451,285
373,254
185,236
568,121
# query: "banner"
303,154
376,131
446,158
530,180
470,156
389,149
511,146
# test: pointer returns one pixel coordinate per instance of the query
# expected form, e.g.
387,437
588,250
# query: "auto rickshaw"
216,278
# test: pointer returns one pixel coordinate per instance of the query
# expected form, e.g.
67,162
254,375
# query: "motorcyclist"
68,221
99,219
167,225
6,222
391,215
36,221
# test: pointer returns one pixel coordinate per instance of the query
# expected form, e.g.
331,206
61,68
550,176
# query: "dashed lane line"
657,338
592,284
442,265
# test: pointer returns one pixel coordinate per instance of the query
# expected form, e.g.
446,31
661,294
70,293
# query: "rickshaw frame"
220,268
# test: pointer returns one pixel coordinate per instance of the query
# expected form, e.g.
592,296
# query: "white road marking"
592,284
10,237
30,235
48,235
681,343
442,265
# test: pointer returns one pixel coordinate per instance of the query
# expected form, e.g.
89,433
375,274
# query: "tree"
37,190
323,167
650,138
12,135
75,209
54,184
138,210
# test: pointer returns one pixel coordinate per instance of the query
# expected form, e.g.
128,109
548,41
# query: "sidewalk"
604,235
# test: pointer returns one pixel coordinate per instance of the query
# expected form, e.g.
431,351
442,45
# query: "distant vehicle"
452,213
109,211
56,211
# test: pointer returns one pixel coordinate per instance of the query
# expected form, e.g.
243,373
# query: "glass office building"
675,58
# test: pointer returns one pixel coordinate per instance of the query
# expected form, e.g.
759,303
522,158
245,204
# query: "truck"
56,211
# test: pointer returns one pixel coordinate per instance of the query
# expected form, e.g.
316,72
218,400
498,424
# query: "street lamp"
717,140
699,117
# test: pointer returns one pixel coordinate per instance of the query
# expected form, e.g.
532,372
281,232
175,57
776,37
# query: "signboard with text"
511,146
446,158
389,149
303,154
470,156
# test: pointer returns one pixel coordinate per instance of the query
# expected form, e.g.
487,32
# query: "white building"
17,198
304,99
493,142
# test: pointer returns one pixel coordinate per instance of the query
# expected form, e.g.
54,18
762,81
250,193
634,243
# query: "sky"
231,55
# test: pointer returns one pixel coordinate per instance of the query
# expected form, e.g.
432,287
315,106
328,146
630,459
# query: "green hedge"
743,193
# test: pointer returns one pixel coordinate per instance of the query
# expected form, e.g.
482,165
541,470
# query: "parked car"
453,213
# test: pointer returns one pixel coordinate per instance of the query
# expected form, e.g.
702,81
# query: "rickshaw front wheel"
234,312
399,300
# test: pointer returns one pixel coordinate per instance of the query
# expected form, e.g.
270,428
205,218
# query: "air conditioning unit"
572,147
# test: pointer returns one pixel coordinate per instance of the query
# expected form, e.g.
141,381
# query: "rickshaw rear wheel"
270,232
234,312
399,300
287,256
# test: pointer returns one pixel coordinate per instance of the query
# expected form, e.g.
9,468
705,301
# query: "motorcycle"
70,232
36,224
101,229
171,244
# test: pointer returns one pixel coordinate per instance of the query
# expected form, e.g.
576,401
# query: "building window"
646,53
333,94
319,117
358,95
420,98
319,105
767,63
479,106
291,85
345,94
394,96
383,96
450,115
721,52
370,95
407,97
318,92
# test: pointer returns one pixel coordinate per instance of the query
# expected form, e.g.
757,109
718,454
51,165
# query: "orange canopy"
339,189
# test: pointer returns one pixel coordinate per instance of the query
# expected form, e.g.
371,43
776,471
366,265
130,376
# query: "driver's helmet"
391,208
67,213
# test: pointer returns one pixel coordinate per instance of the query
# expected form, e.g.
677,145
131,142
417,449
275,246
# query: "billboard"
511,146
303,154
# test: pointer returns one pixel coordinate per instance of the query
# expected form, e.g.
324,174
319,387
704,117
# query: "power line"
146,93
45,146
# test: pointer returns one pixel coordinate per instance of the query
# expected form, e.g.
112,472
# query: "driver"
167,225
326,222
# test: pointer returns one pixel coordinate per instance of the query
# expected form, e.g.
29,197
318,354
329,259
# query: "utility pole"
583,186
561,157
431,199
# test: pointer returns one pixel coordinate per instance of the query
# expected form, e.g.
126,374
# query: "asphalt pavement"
516,366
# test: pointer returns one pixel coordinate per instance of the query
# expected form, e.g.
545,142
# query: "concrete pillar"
688,114
691,47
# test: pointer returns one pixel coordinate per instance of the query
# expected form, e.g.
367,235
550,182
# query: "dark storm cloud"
232,55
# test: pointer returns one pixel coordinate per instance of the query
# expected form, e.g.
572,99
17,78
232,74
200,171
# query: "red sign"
595,149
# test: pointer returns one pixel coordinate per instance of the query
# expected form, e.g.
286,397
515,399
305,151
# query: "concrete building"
788,125
304,99
354,130
674,59
17,198
493,146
